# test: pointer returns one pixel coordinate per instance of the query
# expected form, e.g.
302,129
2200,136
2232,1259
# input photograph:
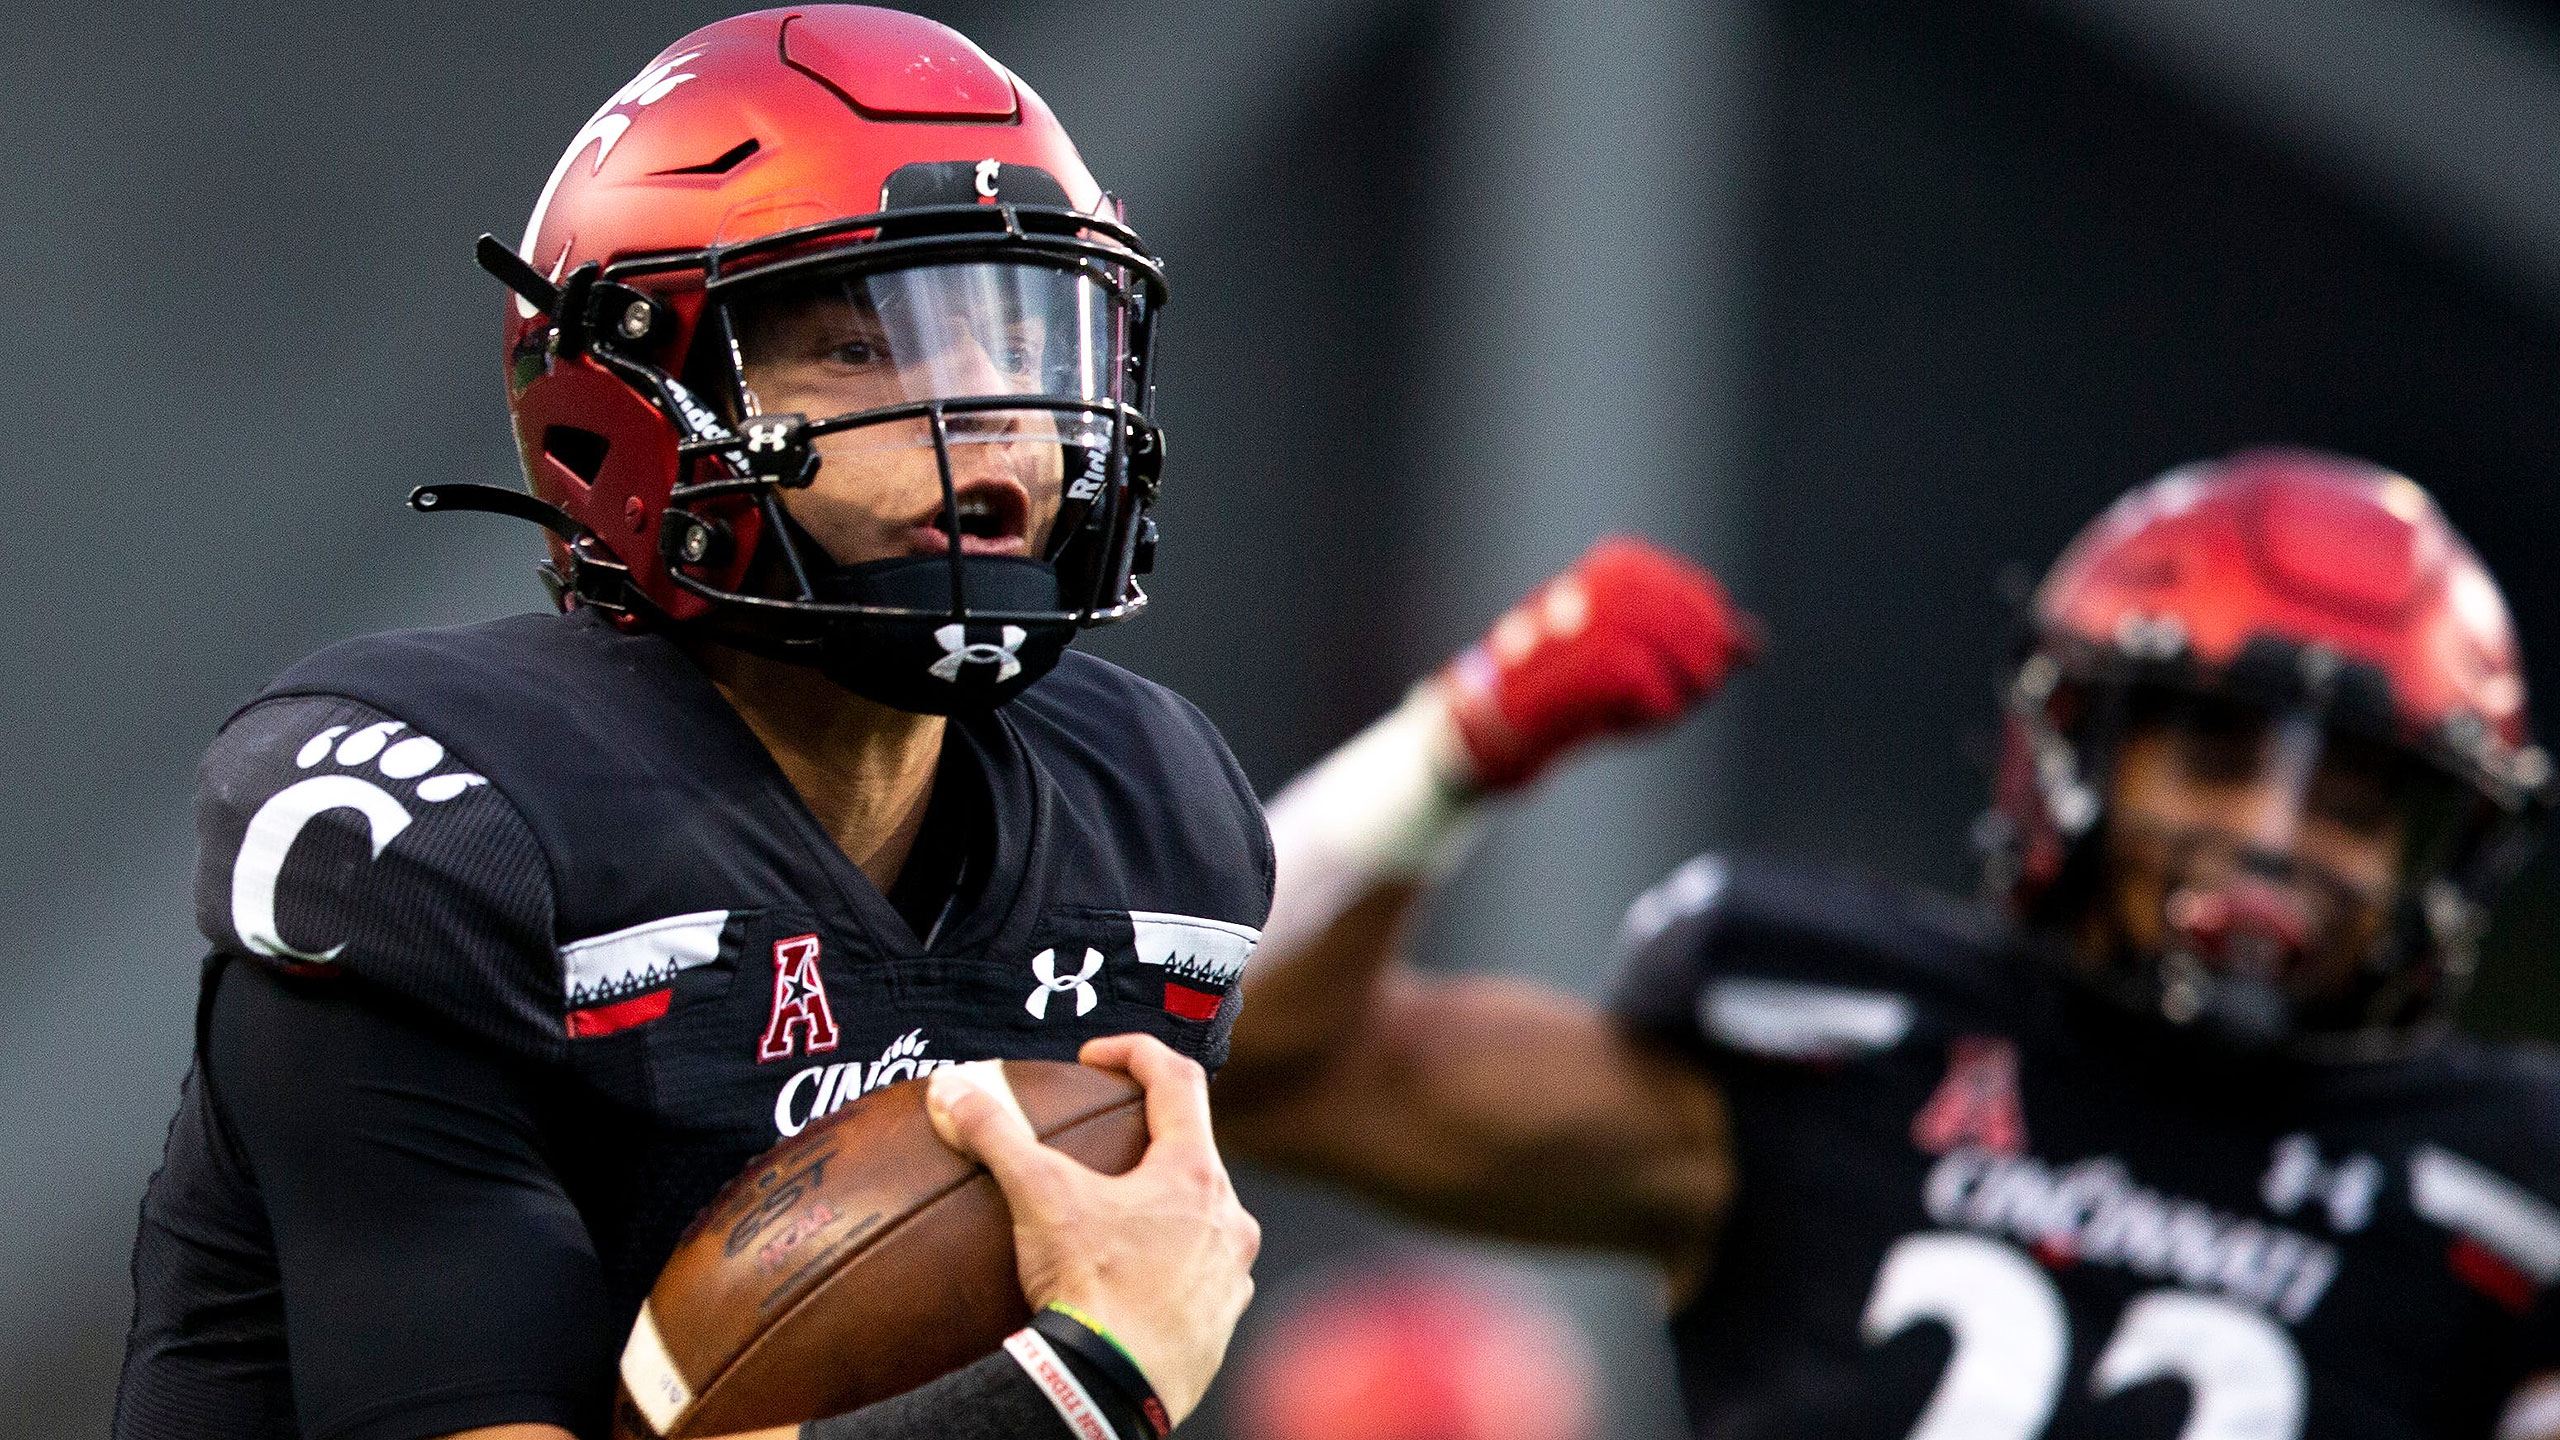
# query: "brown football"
854,1261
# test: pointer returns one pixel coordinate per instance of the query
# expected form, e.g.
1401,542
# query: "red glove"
1625,640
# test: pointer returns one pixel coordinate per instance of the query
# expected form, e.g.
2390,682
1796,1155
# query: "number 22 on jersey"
2012,1346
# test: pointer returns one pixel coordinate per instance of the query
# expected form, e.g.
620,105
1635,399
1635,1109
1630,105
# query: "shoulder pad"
2493,1113
335,839
615,748
1796,962
1125,751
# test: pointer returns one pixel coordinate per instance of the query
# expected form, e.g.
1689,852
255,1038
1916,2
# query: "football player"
829,365
2171,1139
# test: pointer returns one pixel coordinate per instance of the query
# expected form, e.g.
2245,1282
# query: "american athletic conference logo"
280,821
799,1002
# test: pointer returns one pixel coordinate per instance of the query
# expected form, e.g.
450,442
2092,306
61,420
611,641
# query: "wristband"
1018,1391
1085,1338
1394,800
1058,1381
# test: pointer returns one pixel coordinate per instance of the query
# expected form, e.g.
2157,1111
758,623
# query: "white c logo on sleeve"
1044,968
279,822
272,832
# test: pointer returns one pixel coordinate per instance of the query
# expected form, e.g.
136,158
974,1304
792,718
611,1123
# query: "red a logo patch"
1977,1105
799,1000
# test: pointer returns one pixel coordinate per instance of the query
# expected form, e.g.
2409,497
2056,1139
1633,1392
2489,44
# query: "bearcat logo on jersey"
368,752
2093,1212
830,1088
799,1002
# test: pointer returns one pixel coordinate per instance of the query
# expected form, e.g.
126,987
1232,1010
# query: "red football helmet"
2294,585
879,167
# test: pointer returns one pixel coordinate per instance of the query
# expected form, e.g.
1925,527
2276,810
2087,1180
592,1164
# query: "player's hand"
1162,1256
1627,639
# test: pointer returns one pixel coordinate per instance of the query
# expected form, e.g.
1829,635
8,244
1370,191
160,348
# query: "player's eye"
859,350
2353,802
2362,788
2218,755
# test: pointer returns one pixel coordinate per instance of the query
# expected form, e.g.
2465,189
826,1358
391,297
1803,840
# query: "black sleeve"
992,1399
435,1275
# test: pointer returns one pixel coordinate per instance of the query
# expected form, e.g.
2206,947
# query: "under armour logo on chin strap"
1044,968
954,639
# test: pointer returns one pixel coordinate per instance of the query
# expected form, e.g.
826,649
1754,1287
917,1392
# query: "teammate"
829,365
2170,1140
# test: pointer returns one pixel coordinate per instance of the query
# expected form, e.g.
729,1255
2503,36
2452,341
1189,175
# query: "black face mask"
935,664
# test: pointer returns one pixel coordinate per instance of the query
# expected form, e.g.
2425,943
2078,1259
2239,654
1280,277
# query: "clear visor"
842,344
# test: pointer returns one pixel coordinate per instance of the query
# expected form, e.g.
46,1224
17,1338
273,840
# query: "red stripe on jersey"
620,1015
1188,1003
2485,1271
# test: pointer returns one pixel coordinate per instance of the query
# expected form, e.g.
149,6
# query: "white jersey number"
2012,1340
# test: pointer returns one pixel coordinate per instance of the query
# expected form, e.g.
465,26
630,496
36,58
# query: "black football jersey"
1968,1207
558,840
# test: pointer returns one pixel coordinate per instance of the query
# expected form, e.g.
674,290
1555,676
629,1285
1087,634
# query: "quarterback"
829,366
2171,1138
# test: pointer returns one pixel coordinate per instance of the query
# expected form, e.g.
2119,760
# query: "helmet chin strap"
949,661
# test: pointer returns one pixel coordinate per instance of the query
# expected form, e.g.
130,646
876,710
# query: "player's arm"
1158,1260
1488,1104
413,1210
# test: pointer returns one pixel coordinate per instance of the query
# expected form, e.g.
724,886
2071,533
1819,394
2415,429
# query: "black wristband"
1104,1359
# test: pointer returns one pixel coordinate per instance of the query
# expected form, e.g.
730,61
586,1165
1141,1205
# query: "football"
853,1262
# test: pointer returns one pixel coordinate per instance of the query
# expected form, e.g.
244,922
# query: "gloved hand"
1625,640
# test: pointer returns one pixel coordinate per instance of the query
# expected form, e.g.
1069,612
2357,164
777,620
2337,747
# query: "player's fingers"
1177,1088
974,1110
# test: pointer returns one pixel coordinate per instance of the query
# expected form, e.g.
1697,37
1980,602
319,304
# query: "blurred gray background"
1863,304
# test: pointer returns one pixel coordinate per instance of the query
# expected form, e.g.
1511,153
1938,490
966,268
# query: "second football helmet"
2277,591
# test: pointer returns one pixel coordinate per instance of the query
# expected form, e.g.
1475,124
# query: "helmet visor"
1024,362
839,345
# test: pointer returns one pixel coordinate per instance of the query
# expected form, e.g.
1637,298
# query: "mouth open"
994,518
2247,926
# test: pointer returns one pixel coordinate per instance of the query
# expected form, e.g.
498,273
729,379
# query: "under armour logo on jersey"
954,639
986,177
1976,1107
1044,968
2297,1174
279,822
799,1000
